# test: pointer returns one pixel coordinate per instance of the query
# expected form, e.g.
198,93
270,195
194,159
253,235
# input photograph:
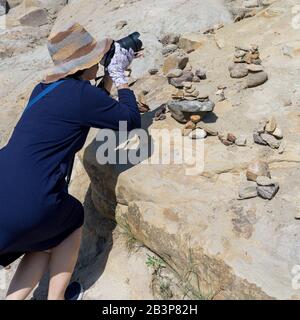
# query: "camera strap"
35,100
43,93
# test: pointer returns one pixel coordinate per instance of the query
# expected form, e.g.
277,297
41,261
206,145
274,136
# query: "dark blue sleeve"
99,110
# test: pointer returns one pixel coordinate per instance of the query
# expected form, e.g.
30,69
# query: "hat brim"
87,61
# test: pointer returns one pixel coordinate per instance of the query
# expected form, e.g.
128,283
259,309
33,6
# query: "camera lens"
132,41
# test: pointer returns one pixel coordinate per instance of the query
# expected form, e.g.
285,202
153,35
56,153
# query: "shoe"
74,291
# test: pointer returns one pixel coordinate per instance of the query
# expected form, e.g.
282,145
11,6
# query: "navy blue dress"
36,211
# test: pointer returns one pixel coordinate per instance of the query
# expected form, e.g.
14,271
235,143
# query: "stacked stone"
268,133
247,63
259,182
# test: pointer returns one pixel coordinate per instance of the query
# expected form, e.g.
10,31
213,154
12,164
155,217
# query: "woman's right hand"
119,63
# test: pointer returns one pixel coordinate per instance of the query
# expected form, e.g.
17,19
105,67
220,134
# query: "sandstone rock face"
101,20
235,244
162,223
192,41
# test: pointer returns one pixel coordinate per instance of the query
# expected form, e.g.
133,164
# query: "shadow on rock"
100,205
211,117
107,157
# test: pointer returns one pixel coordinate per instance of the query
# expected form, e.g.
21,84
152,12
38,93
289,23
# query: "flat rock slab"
268,192
182,110
248,190
271,140
34,17
186,76
191,106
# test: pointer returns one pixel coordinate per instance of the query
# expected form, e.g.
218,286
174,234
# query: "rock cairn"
259,182
268,133
247,63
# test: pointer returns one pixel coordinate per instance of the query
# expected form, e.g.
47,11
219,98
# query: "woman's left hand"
120,62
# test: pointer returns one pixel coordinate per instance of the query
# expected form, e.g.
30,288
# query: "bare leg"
62,263
29,273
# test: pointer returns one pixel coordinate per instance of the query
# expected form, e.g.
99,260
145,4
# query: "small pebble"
175,73
254,68
195,118
198,134
208,128
277,133
170,48
241,141
261,126
271,125
160,117
201,74
224,140
258,139
121,24
187,85
257,168
268,192
153,71
186,132
190,90
190,125
270,140
231,137
247,190
265,181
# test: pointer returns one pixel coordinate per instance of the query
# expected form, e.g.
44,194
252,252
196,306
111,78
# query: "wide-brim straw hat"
74,49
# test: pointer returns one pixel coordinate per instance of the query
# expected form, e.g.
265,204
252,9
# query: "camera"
132,41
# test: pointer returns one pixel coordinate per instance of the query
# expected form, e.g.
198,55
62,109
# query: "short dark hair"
76,75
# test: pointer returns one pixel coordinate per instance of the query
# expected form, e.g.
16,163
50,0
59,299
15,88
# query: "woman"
38,217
